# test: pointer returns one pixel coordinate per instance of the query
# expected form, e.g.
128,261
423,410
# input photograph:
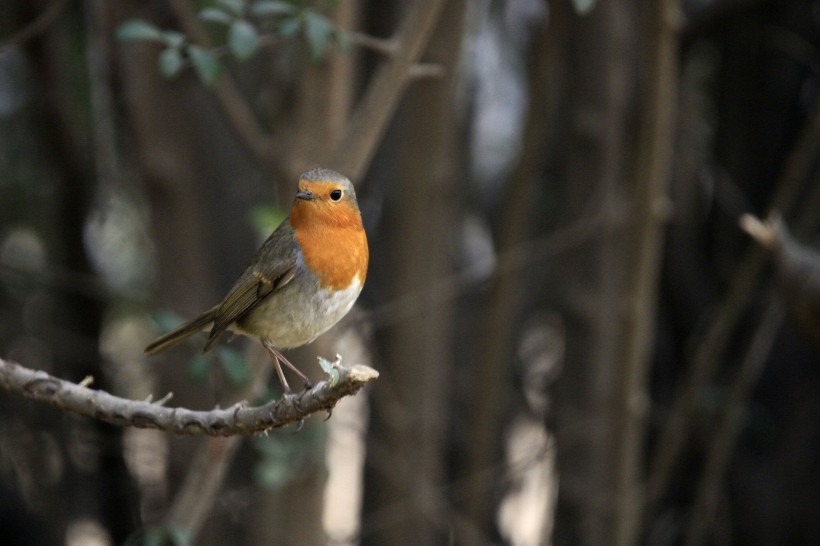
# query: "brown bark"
710,349
493,369
406,451
609,287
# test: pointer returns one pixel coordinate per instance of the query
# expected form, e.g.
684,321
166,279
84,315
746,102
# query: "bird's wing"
273,267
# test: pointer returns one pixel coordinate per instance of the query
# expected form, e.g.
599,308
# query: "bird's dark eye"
335,195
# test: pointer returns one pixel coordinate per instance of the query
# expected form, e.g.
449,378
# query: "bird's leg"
275,358
278,357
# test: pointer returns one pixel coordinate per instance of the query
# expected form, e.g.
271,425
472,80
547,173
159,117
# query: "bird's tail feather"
182,332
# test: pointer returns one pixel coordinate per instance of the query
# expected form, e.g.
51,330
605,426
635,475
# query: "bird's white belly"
298,314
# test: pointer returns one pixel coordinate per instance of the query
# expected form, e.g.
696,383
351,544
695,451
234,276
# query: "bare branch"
704,362
203,482
369,121
237,419
379,45
798,283
425,70
36,27
725,437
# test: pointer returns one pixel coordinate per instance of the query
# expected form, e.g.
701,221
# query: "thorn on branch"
165,399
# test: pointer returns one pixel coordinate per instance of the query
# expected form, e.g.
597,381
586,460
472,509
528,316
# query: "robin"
303,280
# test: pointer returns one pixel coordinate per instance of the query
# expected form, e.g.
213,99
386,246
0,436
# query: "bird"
303,279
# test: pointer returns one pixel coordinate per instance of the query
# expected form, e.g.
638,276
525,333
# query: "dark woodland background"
577,343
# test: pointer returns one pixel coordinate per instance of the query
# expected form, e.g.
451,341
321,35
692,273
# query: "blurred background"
577,343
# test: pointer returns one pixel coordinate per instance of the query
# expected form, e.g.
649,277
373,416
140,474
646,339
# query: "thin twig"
425,70
36,27
725,436
704,363
379,45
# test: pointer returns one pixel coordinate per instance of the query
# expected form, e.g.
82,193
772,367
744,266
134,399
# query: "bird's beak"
304,194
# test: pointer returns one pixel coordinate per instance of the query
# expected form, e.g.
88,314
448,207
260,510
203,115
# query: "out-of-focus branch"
726,435
675,432
506,296
204,479
354,150
364,130
36,27
646,231
322,100
798,269
237,419
209,466
240,115
379,45
798,280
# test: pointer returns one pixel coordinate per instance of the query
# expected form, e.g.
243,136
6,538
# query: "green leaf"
207,66
582,7
180,535
272,475
215,15
330,370
161,536
290,26
266,218
272,8
318,30
137,29
167,320
243,39
198,367
278,460
172,38
235,366
236,7
170,62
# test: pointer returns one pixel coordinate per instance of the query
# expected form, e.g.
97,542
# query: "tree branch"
237,419
36,27
369,121
379,45
704,362
725,437
234,104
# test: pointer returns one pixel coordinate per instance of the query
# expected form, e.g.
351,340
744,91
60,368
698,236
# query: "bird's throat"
336,255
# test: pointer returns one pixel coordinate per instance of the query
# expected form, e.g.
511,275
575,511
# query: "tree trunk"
404,496
606,286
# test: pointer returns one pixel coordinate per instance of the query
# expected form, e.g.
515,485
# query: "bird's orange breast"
333,243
